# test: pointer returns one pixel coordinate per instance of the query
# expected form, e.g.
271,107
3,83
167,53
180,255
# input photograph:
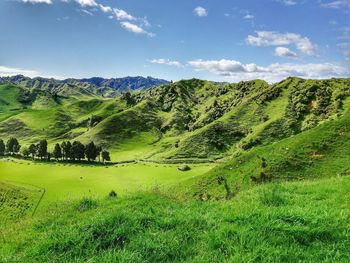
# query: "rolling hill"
269,178
189,119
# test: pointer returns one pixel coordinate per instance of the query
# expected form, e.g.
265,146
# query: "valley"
266,172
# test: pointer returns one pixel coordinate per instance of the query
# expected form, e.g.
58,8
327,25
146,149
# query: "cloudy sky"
226,40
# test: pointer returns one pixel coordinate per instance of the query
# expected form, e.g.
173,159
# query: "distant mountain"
100,87
127,83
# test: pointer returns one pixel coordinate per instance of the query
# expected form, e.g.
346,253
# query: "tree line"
66,151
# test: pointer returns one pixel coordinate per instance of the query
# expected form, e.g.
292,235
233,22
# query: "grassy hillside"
183,120
321,152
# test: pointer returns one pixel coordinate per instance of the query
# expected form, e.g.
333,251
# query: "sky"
219,40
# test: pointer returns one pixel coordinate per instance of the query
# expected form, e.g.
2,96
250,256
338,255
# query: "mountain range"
96,86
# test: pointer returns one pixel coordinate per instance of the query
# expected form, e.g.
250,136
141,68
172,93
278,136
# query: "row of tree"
12,147
66,151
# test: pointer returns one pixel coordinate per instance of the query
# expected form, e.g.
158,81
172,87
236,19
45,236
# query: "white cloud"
84,11
105,9
223,67
7,71
145,22
339,4
248,16
272,38
236,71
87,3
200,11
162,61
285,52
135,29
287,2
122,15
90,6
49,2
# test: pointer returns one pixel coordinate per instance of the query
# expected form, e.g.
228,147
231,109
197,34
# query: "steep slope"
323,151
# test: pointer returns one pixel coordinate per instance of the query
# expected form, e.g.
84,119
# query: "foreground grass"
305,221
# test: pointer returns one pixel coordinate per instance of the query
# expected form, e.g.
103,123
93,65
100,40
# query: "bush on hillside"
112,194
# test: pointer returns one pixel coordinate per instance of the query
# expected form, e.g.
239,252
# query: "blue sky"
222,40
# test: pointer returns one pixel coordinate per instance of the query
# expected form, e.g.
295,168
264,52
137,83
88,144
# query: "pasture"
63,181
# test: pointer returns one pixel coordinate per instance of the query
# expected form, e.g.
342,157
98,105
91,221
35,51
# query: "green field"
70,182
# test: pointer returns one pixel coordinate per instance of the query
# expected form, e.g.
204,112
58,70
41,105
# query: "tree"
42,149
105,156
25,152
57,152
32,150
12,146
91,151
130,100
64,150
99,150
2,148
78,151
68,151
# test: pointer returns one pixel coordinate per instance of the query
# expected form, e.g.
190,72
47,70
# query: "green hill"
186,119
268,179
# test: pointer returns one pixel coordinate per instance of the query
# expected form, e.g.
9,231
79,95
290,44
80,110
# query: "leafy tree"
78,151
33,150
105,156
42,149
130,100
16,148
2,148
69,151
91,151
99,150
64,150
13,146
93,121
25,152
57,152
